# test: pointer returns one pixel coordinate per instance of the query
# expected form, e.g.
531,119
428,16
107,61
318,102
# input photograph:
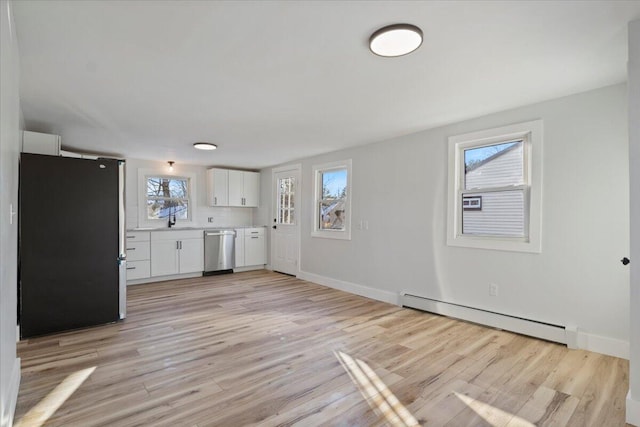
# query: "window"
286,200
168,197
161,194
332,216
495,188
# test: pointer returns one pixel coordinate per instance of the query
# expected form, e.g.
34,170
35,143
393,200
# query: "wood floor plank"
265,349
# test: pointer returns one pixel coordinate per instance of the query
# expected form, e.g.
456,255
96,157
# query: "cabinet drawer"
138,270
138,236
138,251
257,231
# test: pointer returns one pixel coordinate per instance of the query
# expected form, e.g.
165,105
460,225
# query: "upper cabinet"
217,187
243,188
233,188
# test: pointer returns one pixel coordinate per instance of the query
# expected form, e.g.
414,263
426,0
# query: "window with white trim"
495,181
161,194
168,197
332,210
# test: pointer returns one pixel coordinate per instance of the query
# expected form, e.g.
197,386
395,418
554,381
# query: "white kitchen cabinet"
217,187
40,143
176,252
191,255
244,188
250,247
254,246
240,247
138,247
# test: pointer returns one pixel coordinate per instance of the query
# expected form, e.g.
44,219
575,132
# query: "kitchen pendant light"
395,40
170,166
205,146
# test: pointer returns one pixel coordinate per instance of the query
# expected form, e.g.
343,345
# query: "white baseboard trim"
605,345
353,288
572,336
163,278
248,268
633,410
9,406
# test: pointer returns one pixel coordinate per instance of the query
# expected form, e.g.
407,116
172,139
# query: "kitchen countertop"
193,228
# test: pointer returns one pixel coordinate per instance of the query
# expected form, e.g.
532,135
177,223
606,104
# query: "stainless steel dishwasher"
219,251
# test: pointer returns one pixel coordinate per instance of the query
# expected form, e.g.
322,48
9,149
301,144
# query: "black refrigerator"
72,262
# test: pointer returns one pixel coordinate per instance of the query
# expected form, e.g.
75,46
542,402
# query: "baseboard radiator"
519,325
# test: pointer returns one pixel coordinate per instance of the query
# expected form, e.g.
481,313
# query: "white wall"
9,143
399,187
633,399
222,216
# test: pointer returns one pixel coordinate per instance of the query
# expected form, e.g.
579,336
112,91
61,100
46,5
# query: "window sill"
339,235
495,243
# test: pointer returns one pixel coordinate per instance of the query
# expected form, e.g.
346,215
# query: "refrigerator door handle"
122,258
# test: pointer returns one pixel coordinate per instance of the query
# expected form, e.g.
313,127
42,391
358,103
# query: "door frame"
274,209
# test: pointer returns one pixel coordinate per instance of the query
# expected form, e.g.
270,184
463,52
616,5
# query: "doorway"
285,232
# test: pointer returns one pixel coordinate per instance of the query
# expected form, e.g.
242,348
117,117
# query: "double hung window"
495,188
332,217
168,197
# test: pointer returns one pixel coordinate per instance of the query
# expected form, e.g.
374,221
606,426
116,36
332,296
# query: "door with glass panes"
285,236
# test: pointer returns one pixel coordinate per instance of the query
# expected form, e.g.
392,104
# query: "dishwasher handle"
219,233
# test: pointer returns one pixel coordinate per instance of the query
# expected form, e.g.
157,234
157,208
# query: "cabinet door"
164,257
236,188
191,255
251,189
218,187
254,250
240,247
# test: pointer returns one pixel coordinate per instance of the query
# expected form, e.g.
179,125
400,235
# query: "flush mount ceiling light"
205,146
395,40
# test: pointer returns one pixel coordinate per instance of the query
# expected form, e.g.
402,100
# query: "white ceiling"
273,81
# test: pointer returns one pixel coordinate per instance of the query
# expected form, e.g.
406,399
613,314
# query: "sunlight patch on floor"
376,392
44,409
491,414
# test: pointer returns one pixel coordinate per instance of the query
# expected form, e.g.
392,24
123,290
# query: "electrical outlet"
210,219
493,290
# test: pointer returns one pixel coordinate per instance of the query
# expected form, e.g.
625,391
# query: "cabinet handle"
215,200
131,249
254,237
254,232
131,237
177,244
180,244
131,268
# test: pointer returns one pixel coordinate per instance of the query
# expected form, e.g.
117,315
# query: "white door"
285,236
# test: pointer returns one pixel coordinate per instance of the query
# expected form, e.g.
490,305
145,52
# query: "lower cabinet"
240,247
138,255
176,252
250,247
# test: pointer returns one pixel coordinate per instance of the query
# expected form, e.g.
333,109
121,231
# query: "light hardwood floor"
261,348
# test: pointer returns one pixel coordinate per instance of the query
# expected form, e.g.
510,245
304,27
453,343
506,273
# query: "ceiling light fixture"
170,166
205,146
395,40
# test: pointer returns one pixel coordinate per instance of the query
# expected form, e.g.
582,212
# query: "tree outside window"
167,197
